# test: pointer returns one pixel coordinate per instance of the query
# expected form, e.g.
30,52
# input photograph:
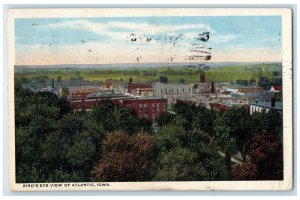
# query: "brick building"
80,94
140,89
246,90
149,108
225,107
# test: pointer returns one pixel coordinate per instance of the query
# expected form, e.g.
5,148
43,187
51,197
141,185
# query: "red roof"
277,87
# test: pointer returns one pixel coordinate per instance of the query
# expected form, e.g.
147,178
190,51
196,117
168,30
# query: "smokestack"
202,78
212,89
272,102
130,80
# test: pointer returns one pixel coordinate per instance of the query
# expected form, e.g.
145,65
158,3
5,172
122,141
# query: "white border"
286,184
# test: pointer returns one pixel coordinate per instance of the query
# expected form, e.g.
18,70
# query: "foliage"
266,161
163,79
109,143
125,157
180,165
185,149
53,143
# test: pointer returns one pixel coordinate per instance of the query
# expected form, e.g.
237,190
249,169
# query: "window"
141,106
154,106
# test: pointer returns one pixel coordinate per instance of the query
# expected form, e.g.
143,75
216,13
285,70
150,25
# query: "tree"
164,119
266,159
237,121
125,157
59,79
181,81
252,81
163,79
174,141
112,117
181,164
226,142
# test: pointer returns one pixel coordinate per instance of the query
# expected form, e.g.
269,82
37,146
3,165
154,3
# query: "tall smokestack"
202,78
212,89
272,102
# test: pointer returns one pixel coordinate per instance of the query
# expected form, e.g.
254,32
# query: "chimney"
212,89
202,78
272,102
130,80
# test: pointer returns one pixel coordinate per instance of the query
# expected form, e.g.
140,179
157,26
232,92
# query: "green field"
174,74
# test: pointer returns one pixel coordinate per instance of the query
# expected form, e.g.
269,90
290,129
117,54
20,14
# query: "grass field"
174,74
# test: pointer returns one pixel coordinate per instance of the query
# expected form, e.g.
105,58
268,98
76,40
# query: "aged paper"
150,99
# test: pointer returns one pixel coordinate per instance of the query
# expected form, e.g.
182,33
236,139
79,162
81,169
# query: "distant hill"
135,65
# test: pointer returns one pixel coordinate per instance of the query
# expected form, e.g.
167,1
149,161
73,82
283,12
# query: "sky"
105,40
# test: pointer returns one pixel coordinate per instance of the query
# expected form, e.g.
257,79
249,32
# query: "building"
276,88
149,108
80,94
219,106
246,90
260,106
204,88
140,89
160,89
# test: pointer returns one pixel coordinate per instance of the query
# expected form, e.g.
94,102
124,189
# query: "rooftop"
267,104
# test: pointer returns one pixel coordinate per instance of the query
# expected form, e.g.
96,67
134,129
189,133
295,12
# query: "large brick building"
149,108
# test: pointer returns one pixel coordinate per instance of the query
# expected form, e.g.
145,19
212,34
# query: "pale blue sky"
232,38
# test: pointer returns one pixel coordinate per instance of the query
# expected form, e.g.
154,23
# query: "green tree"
180,164
226,142
163,79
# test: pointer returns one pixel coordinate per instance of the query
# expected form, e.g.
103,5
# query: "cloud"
223,38
142,28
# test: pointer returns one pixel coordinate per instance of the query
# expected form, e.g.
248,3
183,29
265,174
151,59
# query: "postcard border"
286,14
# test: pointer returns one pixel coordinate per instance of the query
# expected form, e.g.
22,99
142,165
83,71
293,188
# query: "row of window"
154,106
172,90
